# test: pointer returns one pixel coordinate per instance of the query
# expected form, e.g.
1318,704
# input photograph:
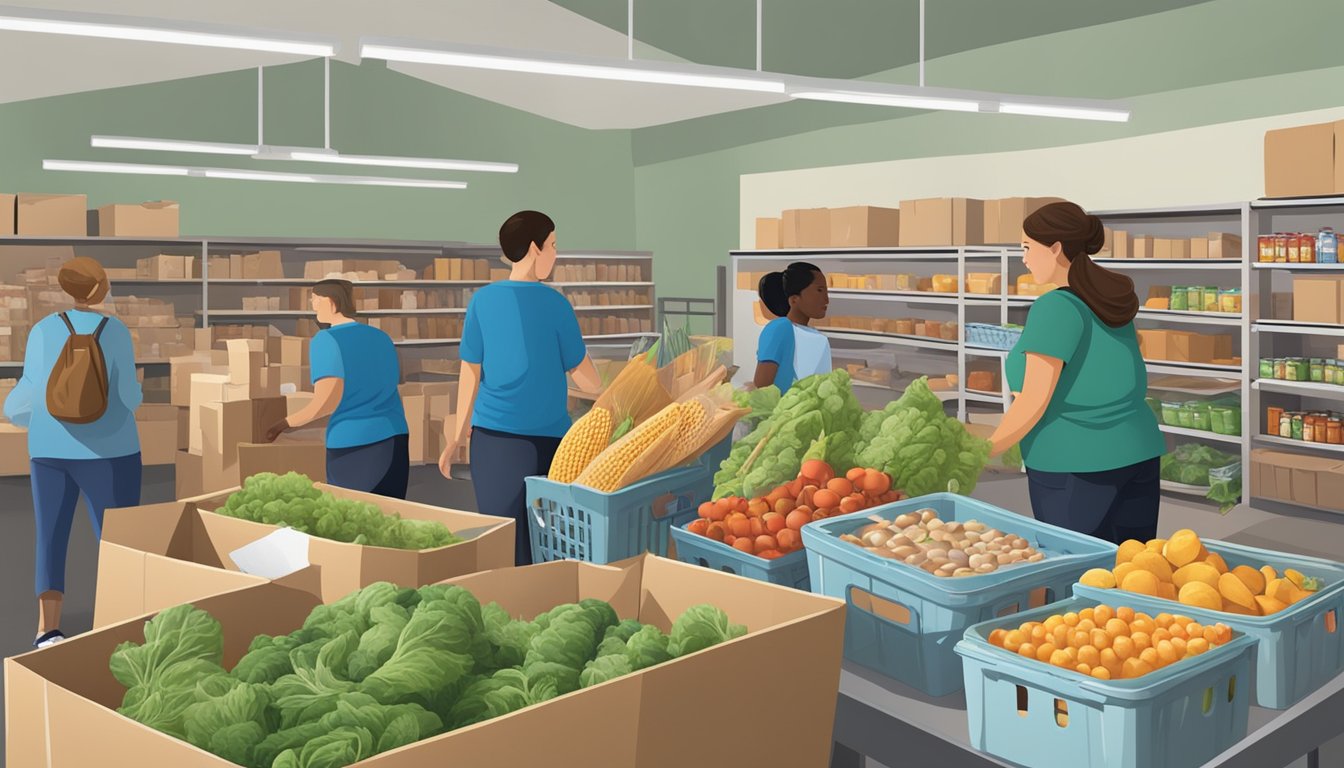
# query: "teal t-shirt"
365,359
776,345
526,337
1097,419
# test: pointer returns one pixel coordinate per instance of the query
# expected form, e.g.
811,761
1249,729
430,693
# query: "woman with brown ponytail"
1090,443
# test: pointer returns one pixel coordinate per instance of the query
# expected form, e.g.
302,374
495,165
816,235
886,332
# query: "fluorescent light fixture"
242,174
426,163
152,31
889,100
131,168
1054,110
567,66
172,145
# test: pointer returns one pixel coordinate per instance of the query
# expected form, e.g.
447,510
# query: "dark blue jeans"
1114,505
57,486
500,466
383,467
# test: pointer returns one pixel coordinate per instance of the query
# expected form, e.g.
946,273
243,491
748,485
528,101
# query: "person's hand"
446,460
276,430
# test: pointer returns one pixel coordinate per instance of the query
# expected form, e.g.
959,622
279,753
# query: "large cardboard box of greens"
487,541
62,700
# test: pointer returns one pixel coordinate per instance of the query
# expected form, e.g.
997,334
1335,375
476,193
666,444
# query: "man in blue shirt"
520,340
355,375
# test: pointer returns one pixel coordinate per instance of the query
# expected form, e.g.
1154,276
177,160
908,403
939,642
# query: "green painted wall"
581,178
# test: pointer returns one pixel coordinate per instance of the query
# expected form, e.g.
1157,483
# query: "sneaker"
48,639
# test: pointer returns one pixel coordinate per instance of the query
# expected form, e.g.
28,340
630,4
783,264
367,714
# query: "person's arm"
471,351
771,350
19,403
586,376
765,374
121,360
1038,387
468,384
326,396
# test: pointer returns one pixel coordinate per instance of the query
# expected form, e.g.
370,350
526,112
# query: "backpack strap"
65,318
98,332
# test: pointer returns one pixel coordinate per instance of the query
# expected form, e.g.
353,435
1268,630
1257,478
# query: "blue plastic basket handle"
885,610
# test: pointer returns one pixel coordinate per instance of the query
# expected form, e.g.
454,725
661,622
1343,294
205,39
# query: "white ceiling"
37,66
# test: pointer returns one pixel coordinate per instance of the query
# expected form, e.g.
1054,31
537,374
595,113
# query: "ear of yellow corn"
582,443
643,446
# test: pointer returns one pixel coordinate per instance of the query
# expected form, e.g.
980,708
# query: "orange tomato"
698,526
765,542
826,499
996,637
840,487
770,554
757,527
851,504
817,471
876,483
795,487
774,522
741,504
740,526
705,509
806,498
821,514
785,505
798,518
789,539
715,531
856,474
743,544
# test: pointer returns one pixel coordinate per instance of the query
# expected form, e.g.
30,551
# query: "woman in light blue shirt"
355,374
789,349
99,460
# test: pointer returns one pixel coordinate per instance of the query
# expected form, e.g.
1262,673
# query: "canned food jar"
1297,423
1265,248
1334,372
1201,417
1286,426
1317,371
1266,368
1273,415
1327,246
1280,248
1210,298
1294,249
1309,429
1298,369
1334,432
1178,298
1230,301
1171,414
1186,417
1281,368
1194,298
1307,247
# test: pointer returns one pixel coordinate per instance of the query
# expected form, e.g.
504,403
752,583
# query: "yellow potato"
1182,548
1156,545
1235,590
1269,573
1154,564
1216,560
1201,595
1141,581
1166,590
1122,570
1293,576
1240,610
1195,572
1203,553
1269,605
1283,591
1099,578
1128,550
1253,579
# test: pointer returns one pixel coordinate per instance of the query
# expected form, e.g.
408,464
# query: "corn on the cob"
637,449
589,436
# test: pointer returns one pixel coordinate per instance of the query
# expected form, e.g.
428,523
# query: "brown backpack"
77,387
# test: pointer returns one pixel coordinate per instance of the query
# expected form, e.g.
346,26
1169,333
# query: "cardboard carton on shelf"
1223,245
945,221
157,424
1305,160
865,226
1318,299
8,206
1199,248
13,450
1167,249
1142,247
286,454
1121,245
52,215
68,695
767,234
154,219
805,228
1003,217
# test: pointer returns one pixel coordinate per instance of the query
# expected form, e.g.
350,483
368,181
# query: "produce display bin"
903,621
573,522
1035,714
787,571
1300,648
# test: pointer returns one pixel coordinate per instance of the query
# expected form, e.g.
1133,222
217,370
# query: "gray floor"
1319,535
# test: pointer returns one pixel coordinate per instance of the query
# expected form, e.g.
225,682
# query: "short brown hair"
522,230
341,293
84,279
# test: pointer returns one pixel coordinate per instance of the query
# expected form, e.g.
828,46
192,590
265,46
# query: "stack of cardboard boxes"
69,216
166,267
429,414
357,270
1215,245
1293,477
600,272
1184,347
15,321
155,219
263,265
609,325
934,222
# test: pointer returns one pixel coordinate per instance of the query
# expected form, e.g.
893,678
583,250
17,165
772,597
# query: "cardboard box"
206,388
942,222
1121,245
183,428
1264,468
1142,247
1003,218
284,455
1153,343
194,475
1199,247
13,450
1224,246
180,370
156,219
767,234
865,226
52,215
247,357
223,427
1165,248
417,424
8,208
1305,160
158,428
1318,299
1330,488
293,351
62,699
1306,470
1191,347
805,228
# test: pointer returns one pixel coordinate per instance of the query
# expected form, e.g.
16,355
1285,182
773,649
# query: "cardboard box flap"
164,529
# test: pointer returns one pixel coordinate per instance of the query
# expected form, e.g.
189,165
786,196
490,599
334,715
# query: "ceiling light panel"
172,145
242,174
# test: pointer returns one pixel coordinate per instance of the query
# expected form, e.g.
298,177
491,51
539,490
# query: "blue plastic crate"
992,336
1034,714
1300,648
903,621
788,571
573,522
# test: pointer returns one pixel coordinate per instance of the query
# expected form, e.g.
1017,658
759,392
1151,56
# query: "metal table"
882,719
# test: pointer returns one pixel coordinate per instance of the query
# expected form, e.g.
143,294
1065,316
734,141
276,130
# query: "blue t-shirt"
114,434
525,338
365,359
776,345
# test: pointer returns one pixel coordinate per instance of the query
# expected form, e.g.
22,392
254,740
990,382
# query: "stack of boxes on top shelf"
1215,245
32,215
935,222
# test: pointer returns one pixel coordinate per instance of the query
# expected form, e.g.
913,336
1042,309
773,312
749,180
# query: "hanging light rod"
14,19
661,73
297,154
242,174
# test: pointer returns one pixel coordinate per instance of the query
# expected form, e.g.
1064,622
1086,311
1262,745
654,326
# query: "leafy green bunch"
920,446
292,501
